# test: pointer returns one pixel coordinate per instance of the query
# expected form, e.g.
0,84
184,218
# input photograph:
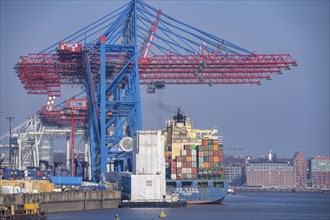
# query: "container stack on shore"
196,161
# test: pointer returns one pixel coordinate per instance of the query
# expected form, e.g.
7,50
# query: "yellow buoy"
162,214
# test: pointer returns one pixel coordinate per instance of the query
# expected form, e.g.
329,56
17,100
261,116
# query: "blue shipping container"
66,180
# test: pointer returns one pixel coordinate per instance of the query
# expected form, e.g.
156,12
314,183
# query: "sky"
286,114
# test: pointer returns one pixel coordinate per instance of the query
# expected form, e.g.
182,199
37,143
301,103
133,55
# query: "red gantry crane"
135,44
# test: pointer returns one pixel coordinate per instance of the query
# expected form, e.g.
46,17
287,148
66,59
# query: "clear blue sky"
286,114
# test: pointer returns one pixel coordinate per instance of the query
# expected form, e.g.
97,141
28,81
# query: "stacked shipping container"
196,162
210,159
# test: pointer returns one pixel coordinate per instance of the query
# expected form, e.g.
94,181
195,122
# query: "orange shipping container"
206,165
189,158
166,153
216,158
201,154
215,147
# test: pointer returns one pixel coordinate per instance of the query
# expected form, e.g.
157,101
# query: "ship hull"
198,191
205,202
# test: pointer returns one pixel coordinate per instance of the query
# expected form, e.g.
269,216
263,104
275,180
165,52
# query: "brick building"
269,173
299,163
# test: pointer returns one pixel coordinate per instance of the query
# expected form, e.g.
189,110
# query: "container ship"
194,162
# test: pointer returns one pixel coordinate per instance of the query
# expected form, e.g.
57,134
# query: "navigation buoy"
162,214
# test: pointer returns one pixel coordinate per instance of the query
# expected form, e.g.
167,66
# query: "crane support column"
68,152
72,144
103,147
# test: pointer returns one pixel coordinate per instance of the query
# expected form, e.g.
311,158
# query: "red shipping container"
211,153
178,158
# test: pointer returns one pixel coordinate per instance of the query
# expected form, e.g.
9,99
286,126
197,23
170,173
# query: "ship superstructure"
179,132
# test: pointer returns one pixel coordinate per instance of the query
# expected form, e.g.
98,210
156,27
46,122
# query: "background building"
262,172
234,170
299,170
234,175
320,172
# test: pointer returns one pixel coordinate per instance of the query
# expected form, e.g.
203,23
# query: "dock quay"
66,201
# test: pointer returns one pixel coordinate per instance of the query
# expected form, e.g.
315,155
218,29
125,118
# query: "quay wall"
66,201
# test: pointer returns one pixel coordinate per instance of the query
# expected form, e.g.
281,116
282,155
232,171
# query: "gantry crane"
137,44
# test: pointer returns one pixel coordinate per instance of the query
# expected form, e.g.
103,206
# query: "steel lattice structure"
137,44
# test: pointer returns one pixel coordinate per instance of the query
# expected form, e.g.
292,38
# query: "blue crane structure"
136,44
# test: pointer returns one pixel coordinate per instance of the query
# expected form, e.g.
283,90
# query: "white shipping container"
173,176
184,170
149,153
147,188
183,152
193,152
178,164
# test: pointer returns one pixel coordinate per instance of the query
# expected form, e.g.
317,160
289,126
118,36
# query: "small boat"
231,191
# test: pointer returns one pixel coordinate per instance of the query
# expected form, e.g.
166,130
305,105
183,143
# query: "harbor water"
243,205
